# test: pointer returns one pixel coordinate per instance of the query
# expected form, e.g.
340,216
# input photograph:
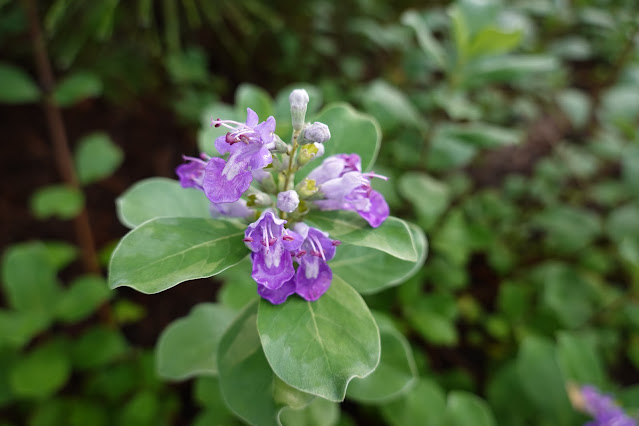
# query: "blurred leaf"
390,107
18,328
256,98
29,279
465,408
507,398
623,222
97,157
207,394
164,252
568,229
16,86
126,312
452,238
579,359
41,372
82,298
188,346
61,201
140,409
160,197
509,68
620,106
576,104
494,41
188,66
542,380
426,41
60,254
448,152
396,372
480,134
338,325
320,412
429,196
425,405
97,347
433,317
77,87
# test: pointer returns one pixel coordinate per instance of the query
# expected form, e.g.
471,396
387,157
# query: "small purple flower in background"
191,173
249,145
271,245
341,181
313,275
600,406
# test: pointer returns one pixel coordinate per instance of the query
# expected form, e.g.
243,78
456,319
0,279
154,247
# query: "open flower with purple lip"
249,146
313,275
271,245
603,408
344,187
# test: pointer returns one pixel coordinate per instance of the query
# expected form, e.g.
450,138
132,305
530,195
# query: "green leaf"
435,322
369,270
351,133
542,381
16,86
18,328
160,197
320,412
188,346
42,372
97,347
430,197
29,279
318,347
97,157
494,41
509,68
448,152
568,229
480,134
61,201
396,372
164,252
77,87
390,107
452,238
246,379
426,41
465,408
254,97
207,393
576,104
425,405
394,236
239,287
60,254
579,359
82,298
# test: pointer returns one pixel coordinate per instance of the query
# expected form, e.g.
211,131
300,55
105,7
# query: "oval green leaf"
396,372
42,372
61,201
465,408
16,86
77,87
160,197
188,346
369,270
164,252
318,347
394,236
97,157
351,133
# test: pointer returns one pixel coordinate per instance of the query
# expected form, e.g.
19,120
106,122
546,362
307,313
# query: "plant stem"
58,135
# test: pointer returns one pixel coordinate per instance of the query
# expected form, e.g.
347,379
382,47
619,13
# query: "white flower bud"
298,100
316,133
288,201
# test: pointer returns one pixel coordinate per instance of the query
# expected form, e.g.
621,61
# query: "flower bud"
281,147
307,153
298,100
316,133
257,198
288,201
307,188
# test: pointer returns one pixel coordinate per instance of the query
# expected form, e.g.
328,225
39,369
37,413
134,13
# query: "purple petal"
278,295
235,209
259,158
251,118
222,145
378,211
293,244
272,268
331,168
221,186
191,174
313,278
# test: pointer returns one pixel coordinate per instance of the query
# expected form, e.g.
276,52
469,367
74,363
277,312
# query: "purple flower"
249,146
278,295
271,245
313,276
603,409
344,187
191,173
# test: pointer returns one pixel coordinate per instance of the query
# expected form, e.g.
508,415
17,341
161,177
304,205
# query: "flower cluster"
602,407
257,181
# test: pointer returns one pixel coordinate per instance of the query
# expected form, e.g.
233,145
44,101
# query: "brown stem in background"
58,135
